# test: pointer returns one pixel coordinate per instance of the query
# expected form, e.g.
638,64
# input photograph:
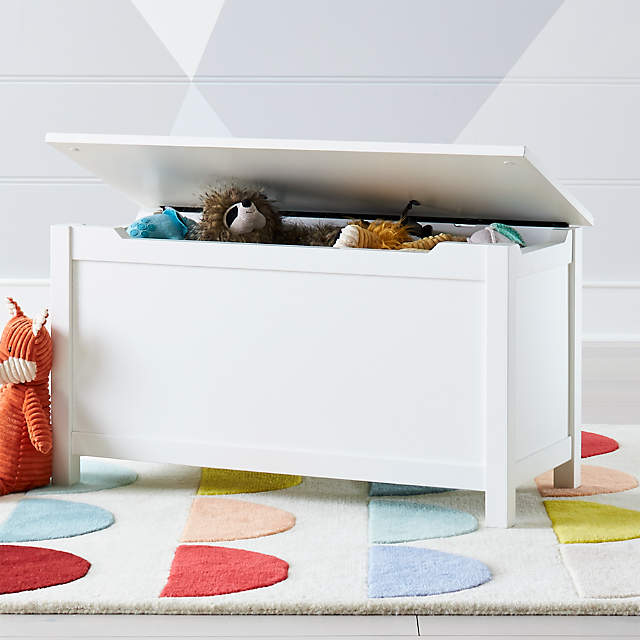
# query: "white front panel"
379,366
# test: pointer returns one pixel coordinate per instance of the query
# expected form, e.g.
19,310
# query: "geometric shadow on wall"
416,109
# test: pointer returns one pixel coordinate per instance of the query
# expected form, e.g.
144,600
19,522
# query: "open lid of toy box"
452,183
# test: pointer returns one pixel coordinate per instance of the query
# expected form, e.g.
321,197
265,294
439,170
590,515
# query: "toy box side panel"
542,360
280,361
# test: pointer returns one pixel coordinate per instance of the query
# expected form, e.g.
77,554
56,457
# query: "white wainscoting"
611,383
611,353
612,311
32,294
34,204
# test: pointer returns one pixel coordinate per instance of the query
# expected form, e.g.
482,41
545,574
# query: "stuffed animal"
25,422
426,244
388,235
497,233
375,235
167,224
236,214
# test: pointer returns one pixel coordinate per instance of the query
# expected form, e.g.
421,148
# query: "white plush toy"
497,233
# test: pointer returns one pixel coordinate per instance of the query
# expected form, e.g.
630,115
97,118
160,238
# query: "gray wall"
561,77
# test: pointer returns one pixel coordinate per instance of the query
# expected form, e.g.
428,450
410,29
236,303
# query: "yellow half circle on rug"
581,521
218,482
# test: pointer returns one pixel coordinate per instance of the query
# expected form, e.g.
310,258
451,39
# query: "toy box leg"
567,475
500,506
66,466
66,470
500,484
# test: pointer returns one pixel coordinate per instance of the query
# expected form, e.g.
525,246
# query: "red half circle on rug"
593,444
203,570
28,568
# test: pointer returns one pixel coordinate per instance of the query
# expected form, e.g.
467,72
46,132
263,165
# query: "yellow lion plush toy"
381,234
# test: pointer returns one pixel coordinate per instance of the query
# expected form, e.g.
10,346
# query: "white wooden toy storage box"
455,368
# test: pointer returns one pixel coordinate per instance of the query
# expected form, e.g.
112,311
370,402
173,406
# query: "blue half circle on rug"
388,489
399,571
95,475
45,519
402,521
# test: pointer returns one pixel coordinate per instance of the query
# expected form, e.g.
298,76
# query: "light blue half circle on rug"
95,475
397,571
400,521
46,519
388,489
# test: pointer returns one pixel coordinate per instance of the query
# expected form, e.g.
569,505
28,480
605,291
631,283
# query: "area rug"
306,549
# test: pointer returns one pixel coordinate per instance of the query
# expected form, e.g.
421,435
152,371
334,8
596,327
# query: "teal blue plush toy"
169,225
508,232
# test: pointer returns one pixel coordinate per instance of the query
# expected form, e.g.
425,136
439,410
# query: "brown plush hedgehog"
237,214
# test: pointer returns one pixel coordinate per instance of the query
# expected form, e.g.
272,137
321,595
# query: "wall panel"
611,246
373,111
373,38
30,110
28,209
585,40
561,77
579,130
103,38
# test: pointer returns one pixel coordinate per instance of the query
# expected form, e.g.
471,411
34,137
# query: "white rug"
327,552
604,570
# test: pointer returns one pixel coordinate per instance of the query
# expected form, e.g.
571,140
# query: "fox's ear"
14,308
38,322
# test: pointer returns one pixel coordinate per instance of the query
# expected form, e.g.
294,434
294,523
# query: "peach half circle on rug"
595,480
220,519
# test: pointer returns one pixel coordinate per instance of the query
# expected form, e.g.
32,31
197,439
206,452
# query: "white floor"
462,627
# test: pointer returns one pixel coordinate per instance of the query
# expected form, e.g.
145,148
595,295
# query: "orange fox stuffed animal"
25,419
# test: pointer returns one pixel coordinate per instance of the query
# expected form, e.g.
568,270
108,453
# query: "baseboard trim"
24,282
622,339
611,284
